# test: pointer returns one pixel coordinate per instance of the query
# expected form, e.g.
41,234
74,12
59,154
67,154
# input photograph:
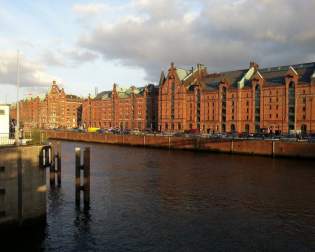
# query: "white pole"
17,128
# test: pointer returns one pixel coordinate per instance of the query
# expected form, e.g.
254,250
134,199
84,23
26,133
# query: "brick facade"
274,100
277,99
132,108
54,110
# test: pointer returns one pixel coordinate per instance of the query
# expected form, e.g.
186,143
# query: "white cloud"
31,73
90,9
222,34
67,57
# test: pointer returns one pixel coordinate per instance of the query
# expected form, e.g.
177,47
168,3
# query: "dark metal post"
77,176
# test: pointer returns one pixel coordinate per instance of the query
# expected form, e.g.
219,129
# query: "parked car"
135,132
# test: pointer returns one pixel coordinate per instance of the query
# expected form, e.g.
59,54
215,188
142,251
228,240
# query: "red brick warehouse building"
55,109
125,108
276,99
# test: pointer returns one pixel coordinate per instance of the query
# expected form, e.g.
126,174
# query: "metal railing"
5,139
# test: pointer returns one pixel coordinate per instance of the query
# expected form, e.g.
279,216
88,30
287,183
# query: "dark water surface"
160,200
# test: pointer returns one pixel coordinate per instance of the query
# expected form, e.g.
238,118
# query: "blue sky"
87,44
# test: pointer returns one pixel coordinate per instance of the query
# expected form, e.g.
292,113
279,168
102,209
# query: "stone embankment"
237,146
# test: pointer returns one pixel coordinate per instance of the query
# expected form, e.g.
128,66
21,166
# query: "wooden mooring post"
86,177
55,167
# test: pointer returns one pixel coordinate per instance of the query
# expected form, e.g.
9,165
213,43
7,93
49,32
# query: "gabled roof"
276,75
122,92
72,97
162,78
272,76
211,81
33,97
182,73
104,95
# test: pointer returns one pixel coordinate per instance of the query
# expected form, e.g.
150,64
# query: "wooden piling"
58,157
86,177
50,158
77,176
86,180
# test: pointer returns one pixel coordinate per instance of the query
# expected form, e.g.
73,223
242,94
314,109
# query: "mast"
17,128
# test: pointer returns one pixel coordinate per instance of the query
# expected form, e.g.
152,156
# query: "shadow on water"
29,238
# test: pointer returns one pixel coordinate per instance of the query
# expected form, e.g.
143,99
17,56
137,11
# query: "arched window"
303,128
291,96
198,107
247,128
257,108
223,109
173,101
232,128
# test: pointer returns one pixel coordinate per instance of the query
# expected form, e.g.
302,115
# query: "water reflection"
158,200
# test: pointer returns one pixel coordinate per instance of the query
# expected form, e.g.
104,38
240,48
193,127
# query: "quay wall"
22,187
274,148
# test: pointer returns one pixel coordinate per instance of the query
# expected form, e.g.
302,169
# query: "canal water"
160,200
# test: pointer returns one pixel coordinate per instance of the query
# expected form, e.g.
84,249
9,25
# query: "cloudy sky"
87,44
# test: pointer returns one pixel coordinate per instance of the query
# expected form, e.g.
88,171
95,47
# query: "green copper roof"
182,73
246,77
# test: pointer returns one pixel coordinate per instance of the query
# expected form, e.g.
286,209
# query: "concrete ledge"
22,186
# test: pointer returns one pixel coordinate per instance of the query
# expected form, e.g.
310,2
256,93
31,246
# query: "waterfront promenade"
275,148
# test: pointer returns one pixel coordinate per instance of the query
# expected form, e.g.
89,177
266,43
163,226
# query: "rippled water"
160,200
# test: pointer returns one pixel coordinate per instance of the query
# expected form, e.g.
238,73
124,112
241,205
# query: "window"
2,112
269,115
